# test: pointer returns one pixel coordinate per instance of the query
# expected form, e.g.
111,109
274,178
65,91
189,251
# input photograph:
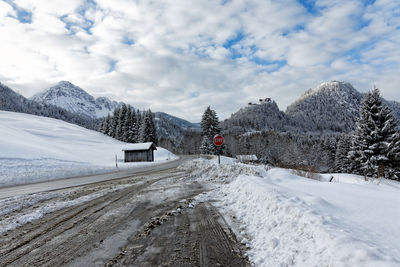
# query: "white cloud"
182,56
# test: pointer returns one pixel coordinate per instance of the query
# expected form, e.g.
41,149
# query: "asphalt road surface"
10,191
148,221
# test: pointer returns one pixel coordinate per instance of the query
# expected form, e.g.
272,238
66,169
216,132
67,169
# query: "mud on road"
146,221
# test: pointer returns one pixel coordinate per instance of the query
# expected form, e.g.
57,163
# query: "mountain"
257,117
331,107
170,126
12,101
76,100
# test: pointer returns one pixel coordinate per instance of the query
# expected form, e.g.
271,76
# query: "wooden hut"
139,152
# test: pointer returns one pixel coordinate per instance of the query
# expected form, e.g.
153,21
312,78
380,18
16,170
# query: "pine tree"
103,125
147,130
139,116
210,127
114,123
374,137
126,125
342,162
107,124
393,136
132,127
207,146
152,126
121,117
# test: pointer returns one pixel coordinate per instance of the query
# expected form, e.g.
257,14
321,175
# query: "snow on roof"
246,157
139,146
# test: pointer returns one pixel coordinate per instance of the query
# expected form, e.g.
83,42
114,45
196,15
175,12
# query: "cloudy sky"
180,56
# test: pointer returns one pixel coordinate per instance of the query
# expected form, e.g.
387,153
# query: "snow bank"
34,148
286,219
281,228
208,170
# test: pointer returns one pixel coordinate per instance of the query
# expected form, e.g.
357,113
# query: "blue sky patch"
23,15
368,2
309,5
128,41
88,24
112,65
296,29
271,65
354,55
231,42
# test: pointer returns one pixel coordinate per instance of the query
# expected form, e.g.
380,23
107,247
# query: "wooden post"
116,161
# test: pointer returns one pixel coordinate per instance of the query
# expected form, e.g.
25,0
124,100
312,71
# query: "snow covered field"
286,219
34,148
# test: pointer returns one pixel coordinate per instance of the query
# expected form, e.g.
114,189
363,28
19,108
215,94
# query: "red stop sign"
218,140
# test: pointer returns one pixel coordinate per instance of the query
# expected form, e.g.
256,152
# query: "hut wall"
133,156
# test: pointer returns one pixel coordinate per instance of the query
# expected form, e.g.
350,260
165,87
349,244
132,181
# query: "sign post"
218,141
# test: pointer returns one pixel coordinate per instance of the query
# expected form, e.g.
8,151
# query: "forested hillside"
332,107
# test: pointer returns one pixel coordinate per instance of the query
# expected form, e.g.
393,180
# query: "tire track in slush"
29,238
175,235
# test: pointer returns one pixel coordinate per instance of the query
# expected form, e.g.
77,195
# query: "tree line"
130,125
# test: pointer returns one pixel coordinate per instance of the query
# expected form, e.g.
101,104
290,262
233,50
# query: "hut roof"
246,157
139,147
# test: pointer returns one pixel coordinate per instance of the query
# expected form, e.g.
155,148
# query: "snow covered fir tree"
342,160
147,130
210,127
130,126
375,146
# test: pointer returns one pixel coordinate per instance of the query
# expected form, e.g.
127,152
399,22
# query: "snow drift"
288,220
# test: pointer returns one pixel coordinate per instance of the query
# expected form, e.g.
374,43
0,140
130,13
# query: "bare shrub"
307,172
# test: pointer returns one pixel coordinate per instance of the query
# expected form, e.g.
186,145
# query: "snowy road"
11,191
146,219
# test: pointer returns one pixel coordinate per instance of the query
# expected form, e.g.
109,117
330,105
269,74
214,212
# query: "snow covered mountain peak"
332,106
335,89
74,99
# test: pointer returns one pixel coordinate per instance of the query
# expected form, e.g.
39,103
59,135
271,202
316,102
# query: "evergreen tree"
132,127
114,123
374,137
126,125
139,119
152,126
342,162
393,136
210,127
103,125
120,119
207,146
107,124
147,130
